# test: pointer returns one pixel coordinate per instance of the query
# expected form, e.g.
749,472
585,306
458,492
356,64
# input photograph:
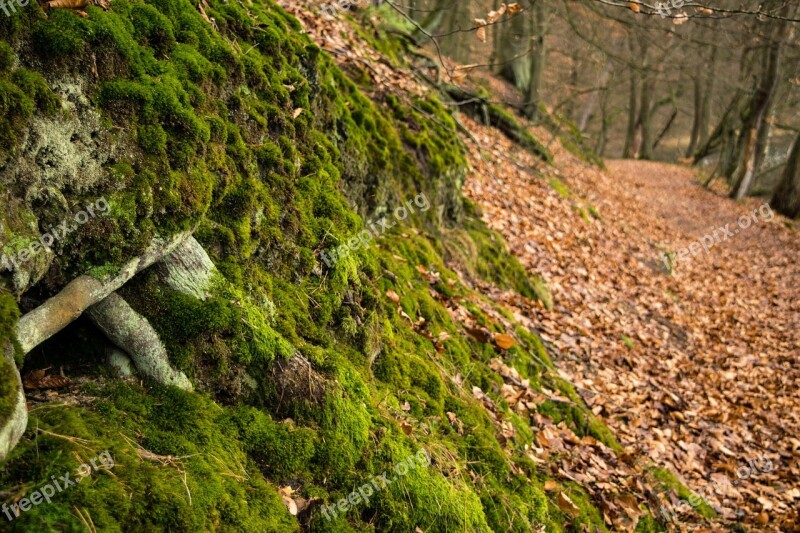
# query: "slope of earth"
313,374
692,359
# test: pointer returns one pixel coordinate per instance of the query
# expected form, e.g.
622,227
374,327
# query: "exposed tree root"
188,269
83,292
133,333
13,427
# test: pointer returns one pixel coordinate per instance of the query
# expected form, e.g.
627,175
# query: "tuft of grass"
627,342
561,188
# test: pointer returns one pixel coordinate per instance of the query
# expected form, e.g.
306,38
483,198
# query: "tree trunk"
602,137
629,151
705,117
755,120
513,62
645,118
703,87
537,60
786,199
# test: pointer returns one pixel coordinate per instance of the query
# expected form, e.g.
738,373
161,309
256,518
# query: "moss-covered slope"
232,122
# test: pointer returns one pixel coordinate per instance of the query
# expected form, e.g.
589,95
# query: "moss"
9,314
561,188
217,488
669,482
34,85
6,57
627,342
9,387
484,254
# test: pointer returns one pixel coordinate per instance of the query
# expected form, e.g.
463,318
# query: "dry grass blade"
74,440
85,520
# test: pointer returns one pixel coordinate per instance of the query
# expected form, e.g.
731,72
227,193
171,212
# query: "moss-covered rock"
247,132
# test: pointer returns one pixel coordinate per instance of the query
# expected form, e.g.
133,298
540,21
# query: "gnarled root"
133,333
13,426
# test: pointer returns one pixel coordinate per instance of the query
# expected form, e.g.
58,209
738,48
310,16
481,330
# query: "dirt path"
698,368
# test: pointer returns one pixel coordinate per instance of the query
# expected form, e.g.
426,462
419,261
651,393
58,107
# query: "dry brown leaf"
504,341
393,296
480,33
495,15
297,112
681,18
406,427
567,505
480,334
288,501
550,485
38,380
634,7
514,8
705,11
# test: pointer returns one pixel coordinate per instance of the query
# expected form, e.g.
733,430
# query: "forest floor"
693,364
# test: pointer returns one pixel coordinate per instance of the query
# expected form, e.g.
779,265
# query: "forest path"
698,368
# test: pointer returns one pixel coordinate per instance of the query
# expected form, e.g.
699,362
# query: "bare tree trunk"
602,138
629,151
703,87
537,60
694,139
513,63
645,118
705,118
786,199
755,119
596,96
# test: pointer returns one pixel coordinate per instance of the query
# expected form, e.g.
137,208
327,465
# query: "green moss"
6,57
483,253
207,483
34,85
561,188
627,342
9,386
669,482
9,314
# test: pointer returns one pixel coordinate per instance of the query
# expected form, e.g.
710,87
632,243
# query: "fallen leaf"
495,15
567,505
504,341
